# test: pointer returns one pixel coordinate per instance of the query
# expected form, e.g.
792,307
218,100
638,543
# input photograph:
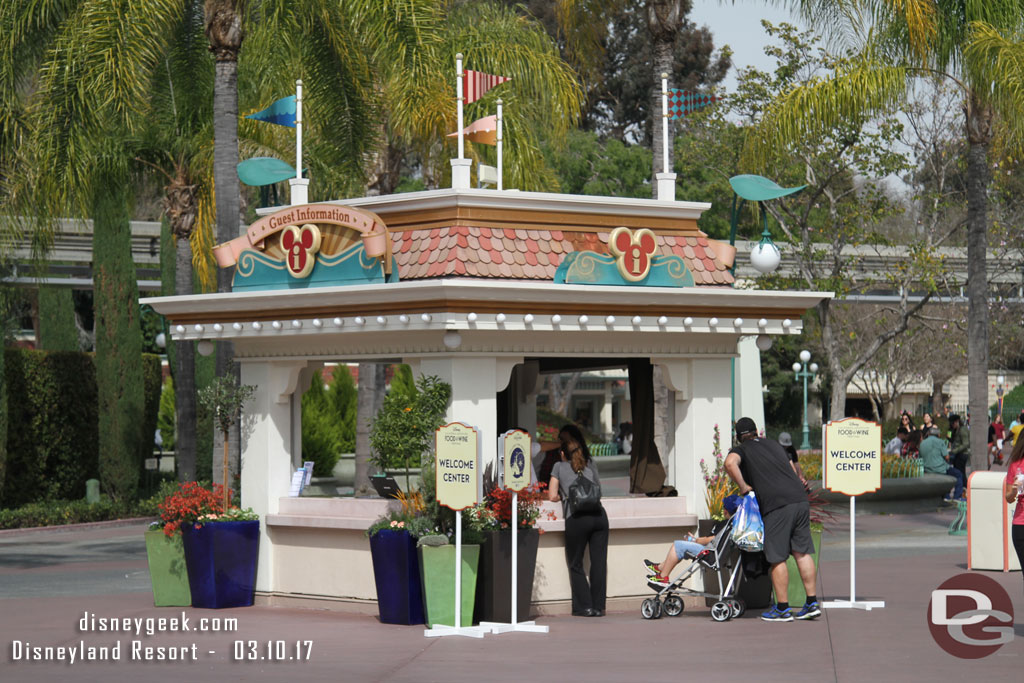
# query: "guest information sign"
458,466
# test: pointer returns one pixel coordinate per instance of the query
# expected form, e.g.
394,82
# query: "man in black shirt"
762,466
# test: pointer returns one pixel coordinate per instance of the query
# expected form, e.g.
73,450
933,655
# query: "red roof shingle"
528,254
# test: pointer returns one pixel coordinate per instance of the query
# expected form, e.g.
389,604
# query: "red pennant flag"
477,83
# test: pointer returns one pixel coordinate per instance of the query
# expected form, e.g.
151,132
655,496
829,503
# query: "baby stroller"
714,557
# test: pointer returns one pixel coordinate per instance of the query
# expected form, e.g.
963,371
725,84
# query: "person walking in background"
1015,493
786,441
959,444
581,529
935,458
762,466
1015,428
996,431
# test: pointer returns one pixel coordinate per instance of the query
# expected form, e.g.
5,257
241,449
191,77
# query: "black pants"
1017,535
581,531
960,462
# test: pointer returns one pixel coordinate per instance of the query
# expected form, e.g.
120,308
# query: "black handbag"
584,496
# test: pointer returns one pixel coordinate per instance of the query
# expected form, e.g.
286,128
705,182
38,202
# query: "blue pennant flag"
281,112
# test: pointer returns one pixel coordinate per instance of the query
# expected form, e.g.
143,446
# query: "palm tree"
176,149
899,43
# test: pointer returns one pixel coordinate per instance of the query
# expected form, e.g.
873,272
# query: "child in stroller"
707,551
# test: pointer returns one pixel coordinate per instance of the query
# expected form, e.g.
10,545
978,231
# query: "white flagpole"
664,122
458,93
500,187
298,129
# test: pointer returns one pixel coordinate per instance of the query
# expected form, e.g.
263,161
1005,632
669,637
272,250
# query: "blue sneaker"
776,614
809,611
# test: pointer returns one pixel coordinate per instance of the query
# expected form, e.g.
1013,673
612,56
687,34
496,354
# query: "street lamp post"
805,371
999,393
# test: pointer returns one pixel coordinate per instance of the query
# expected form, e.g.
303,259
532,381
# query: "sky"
738,25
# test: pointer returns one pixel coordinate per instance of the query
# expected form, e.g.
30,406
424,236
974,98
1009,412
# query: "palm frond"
860,87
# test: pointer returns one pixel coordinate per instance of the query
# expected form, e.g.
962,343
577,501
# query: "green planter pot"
797,594
167,571
437,569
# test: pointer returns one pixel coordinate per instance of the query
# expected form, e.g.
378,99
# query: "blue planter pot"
221,561
396,571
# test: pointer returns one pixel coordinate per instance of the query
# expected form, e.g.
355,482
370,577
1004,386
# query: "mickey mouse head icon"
633,251
300,245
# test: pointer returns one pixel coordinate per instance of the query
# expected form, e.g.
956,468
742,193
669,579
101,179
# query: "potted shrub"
218,548
222,542
403,431
396,566
494,578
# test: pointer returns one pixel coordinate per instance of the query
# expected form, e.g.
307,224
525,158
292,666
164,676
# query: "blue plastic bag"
747,526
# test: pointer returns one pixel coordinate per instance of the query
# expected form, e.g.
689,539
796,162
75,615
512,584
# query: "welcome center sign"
852,455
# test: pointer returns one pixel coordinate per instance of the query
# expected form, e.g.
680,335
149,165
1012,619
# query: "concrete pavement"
50,580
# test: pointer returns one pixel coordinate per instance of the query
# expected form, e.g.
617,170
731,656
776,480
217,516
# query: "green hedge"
54,513
52,442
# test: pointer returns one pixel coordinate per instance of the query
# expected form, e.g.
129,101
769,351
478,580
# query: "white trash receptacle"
988,524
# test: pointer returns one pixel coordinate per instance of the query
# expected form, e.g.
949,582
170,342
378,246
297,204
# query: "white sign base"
853,602
441,629
527,626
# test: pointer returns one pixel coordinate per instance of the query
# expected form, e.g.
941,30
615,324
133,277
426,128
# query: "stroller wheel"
673,605
651,608
720,611
737,607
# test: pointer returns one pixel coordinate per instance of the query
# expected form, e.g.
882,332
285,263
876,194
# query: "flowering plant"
718,485
547,432
194,503
495,512
408,517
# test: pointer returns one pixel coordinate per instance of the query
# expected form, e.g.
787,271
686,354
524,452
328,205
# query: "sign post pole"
513,447
852,464
458,487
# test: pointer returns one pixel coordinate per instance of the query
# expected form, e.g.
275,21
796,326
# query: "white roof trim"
465,289
524,201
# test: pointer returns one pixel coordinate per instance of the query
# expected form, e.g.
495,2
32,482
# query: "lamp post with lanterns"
999,393
805,371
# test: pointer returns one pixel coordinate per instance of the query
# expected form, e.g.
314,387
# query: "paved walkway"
50,580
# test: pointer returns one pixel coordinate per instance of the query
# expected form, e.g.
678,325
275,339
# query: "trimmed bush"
55,447
119,376
57,331
165,418
329,420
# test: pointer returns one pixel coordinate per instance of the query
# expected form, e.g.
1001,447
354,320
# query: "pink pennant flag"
477,83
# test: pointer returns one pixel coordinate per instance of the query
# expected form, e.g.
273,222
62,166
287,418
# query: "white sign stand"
853,602
457,629
527,626
439,630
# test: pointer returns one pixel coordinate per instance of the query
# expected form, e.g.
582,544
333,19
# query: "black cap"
745,425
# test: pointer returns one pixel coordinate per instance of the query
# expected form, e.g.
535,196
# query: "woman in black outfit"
581,530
